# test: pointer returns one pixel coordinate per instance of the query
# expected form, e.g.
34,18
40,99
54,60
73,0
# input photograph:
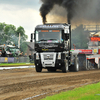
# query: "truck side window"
63,36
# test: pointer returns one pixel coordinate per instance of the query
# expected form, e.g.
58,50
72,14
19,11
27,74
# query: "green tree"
80,37
23,38
9,34
2,26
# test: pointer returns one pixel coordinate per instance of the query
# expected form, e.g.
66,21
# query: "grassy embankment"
89,92
15,64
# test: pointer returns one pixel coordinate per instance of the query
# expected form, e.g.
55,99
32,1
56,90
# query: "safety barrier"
14,59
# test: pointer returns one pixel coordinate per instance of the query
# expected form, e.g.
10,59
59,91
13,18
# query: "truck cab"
52,47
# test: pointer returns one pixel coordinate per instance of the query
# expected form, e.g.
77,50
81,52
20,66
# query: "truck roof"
10,46
53,26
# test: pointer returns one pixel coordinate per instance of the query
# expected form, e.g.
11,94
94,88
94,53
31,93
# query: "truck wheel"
99,64
88,65
65,66
38,68
76,65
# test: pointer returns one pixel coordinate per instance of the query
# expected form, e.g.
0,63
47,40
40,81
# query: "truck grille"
48,56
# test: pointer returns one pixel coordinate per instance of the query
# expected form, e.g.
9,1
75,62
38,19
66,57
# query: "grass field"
16,64
89,92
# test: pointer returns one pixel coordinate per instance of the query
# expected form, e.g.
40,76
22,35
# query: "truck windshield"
48,36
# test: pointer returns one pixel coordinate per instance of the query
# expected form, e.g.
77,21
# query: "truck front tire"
38,68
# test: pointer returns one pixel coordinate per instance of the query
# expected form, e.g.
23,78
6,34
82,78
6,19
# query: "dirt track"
18,84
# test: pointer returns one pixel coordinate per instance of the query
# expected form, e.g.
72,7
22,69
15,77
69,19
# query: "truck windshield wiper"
52,39
42,40
47,40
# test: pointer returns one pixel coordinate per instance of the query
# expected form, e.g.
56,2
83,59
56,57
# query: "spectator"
25,55
3,53
21,54
0,54
30,57
33,56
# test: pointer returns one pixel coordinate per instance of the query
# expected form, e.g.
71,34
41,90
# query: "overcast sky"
23,13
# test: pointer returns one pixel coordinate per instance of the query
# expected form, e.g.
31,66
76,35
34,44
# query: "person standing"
3,53
30,57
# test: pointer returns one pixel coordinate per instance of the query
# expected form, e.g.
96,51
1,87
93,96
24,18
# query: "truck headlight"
37,56
59,55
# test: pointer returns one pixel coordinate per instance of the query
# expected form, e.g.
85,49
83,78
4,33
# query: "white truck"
12,51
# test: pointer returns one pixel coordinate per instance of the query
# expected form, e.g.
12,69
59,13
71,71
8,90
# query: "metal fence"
82,60
14,60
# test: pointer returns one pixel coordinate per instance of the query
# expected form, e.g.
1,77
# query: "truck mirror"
31,36
66,29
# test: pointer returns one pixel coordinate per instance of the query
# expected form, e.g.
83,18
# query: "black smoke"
47,6
79,9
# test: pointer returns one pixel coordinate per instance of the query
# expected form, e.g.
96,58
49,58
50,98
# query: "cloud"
28,18
22,3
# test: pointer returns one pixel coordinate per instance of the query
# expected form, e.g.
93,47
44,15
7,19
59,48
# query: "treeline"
9,35
80,38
